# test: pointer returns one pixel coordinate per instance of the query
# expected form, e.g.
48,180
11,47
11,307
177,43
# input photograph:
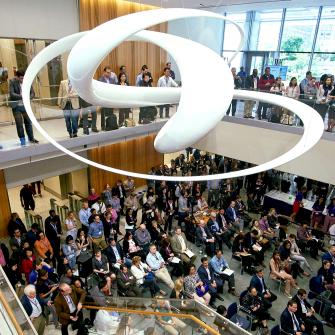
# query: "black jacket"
109,252
286,322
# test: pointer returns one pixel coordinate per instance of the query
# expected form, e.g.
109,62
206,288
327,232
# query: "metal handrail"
3,274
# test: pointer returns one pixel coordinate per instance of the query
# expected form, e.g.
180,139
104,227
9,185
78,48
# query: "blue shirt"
96,230
154,260
84,215
218,264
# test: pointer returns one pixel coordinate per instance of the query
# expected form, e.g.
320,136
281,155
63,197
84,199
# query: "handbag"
199,291
150,276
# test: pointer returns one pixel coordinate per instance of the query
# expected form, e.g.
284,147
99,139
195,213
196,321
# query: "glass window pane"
237,61
326,35
297,64
322,63
265,22
266,41
231,38
299,29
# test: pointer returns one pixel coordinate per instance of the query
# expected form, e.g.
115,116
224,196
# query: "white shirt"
70,303
139,272
166,82
182,243
100,208
37,309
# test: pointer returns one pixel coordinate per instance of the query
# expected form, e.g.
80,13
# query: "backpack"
111,122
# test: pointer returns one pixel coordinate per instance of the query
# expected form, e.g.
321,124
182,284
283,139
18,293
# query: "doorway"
256,60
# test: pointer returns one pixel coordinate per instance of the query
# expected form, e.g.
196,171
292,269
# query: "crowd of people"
318,94
149,246
76,110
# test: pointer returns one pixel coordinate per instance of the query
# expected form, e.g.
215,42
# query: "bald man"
68,304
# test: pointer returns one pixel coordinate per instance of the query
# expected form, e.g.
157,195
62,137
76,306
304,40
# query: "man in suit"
126,283
233,218
252,85
68,304
206,275
170,211
203,235
306,313
16,242
227,228
115,254
19,112
53,231
34,307
290,322
251,246
107,77
179,246
330,256
120,192
258,282
68,101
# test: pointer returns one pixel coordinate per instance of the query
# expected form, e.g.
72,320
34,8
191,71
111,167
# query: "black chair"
275,330
232,315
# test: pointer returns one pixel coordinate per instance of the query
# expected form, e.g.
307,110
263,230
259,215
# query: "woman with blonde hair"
71,225
144,276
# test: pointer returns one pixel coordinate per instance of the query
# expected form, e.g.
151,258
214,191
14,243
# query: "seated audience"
290,323
195,288
306,313
100,266
257,281
204,237
254,303
277,271
171,259
157,264
206,275
219,265
180,247
170,324
126,283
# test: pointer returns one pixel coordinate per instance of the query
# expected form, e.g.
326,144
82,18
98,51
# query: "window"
232,37
266,29
237,61
322,63
297,64
325,41
299,29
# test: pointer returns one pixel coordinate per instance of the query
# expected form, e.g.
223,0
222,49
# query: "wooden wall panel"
137,155
131,54
4,206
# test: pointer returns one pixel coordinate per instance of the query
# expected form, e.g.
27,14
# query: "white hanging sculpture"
201,106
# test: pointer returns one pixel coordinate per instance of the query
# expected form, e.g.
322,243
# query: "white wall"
254,144
38,19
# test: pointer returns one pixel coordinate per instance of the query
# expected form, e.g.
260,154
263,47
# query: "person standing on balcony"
264,84
251,84
68,101
237,85
107,77
166,81
19,111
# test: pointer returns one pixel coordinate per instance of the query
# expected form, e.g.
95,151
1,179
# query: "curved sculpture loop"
201,106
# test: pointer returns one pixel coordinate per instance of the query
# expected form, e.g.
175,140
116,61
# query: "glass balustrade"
122,315
13,318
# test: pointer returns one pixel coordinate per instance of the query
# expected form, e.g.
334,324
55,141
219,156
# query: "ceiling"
234,4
